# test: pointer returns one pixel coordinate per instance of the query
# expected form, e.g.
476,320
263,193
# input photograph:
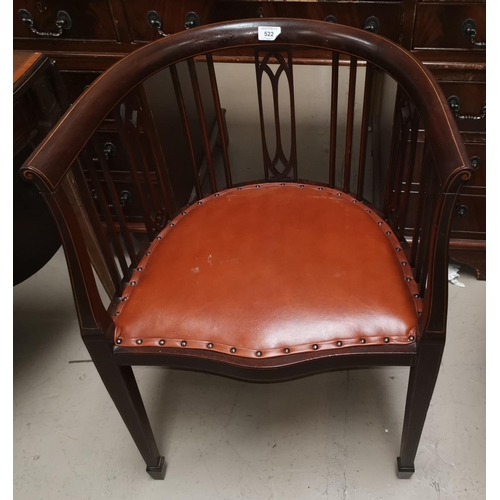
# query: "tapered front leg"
122,387
421,385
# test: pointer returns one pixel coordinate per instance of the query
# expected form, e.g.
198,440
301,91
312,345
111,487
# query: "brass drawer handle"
469,31
461,210
192,20
331,19
63,22
109,150
475,162
154,21
372,24
454,103
125,197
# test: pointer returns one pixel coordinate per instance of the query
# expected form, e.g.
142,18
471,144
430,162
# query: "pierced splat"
277,166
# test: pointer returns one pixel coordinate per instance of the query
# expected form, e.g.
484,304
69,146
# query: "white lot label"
267,33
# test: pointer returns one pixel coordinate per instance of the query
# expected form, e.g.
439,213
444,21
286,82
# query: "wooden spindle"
129,133
203,123
365,122
350,123
422,206
167,195
108,218
220,120
423,252
116,202
399,172
185,124
279,166
333,117
394,150
96,225
409,172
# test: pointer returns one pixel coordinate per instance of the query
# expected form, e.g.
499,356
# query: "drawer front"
90,19
469,218
471,98
439,25
173,14
470,222
119,166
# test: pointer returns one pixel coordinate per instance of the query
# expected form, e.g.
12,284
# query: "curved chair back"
71,170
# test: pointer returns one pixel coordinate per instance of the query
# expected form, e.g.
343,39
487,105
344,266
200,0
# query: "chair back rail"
420,110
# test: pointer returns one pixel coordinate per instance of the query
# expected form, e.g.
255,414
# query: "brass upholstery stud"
216,195
124,299
161,342
184,343
388,233
282,184
315,347
133,283
320,189
257,186
419,313
138,341
398,249
119,341
200,203
183,213
386,339
139,268
339,194
302,185
172,224
158,237
210,345
232,350
369,211
411,338
148,253
408,279
339,343
258,354
117,313
403,263
379,223
239,189
354,201
362,341
417,296
286,350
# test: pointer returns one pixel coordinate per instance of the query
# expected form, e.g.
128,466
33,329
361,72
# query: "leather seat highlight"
269,270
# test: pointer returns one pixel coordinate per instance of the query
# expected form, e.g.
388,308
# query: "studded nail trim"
165,342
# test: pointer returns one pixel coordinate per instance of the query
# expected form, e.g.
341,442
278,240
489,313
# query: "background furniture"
39,101
448,36
162,314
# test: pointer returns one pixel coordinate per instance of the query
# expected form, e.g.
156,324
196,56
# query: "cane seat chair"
271,278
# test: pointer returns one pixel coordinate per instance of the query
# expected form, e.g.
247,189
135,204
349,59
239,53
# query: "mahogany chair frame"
444,170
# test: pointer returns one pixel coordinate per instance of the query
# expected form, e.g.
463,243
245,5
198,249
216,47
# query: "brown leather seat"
269,270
